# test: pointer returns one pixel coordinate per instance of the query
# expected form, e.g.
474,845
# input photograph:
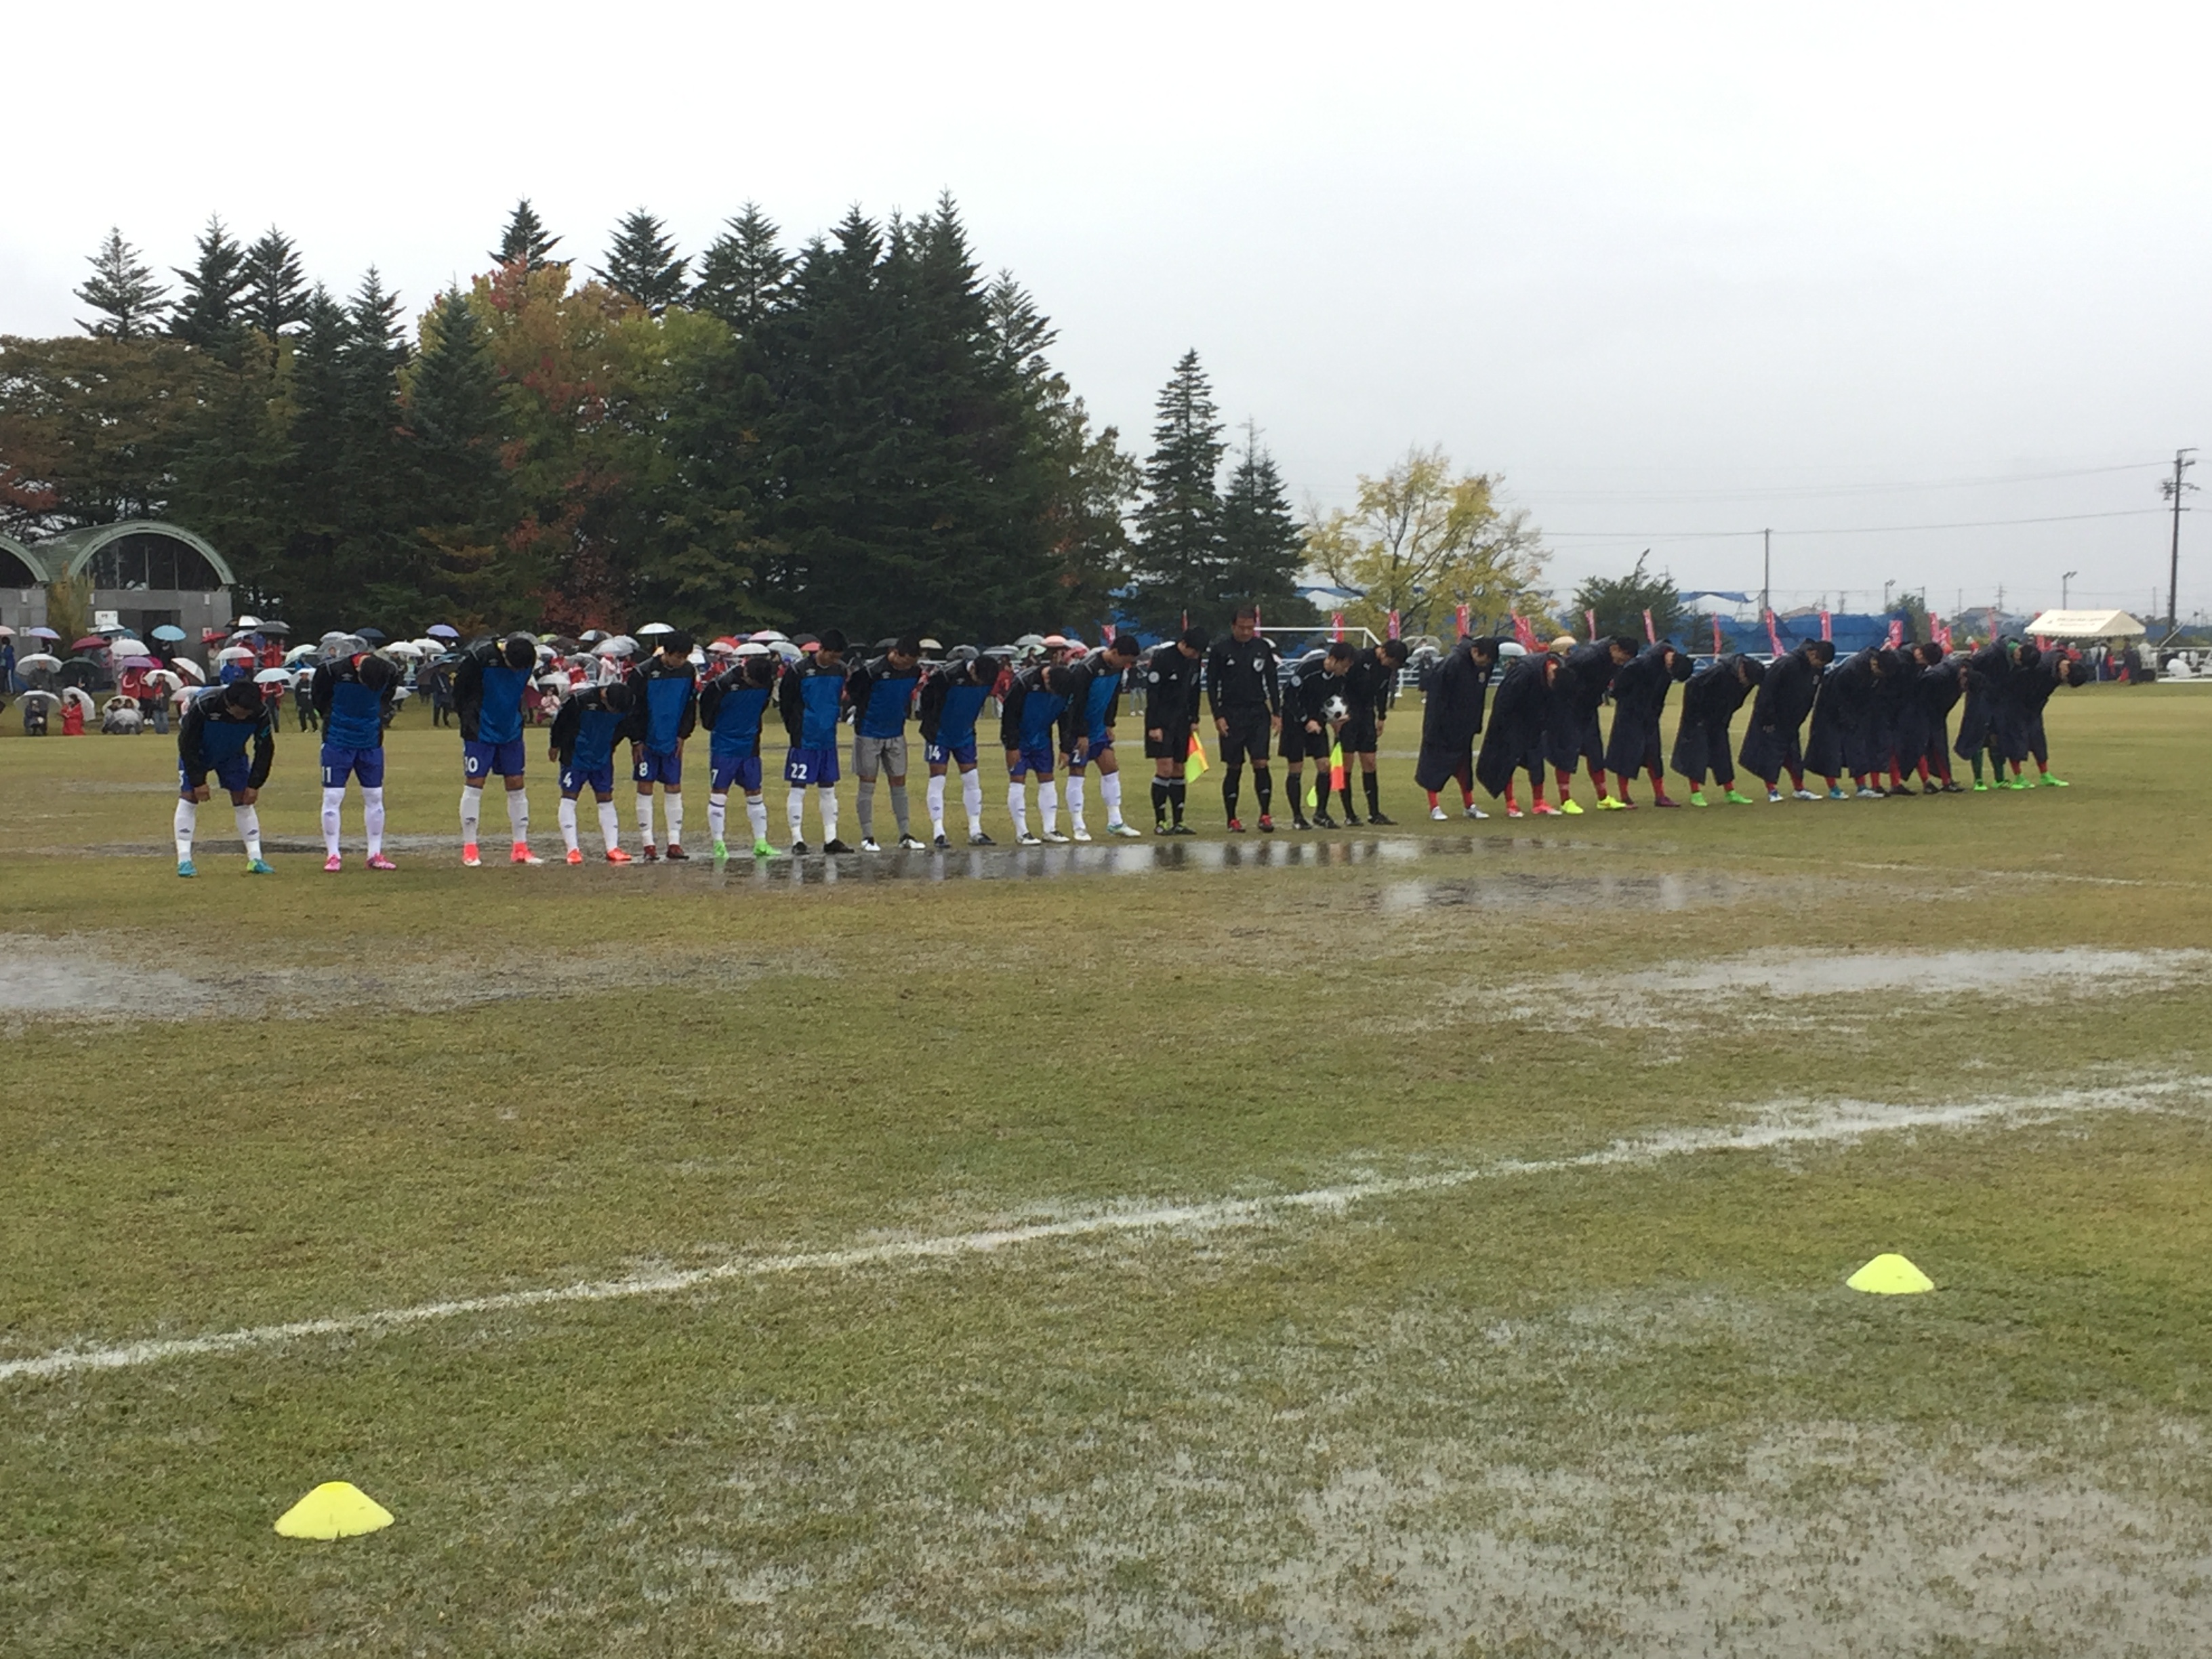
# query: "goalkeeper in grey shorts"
882,693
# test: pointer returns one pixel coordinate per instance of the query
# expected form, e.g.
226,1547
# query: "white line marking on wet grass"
1783,1126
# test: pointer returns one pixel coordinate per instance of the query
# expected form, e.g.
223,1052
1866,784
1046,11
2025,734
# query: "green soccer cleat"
1981,788
721,851
258,867
1735,800
185,868
1696,797
763,850
2050,782
2016,783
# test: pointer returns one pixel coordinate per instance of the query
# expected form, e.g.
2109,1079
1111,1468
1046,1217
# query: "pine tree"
744,275
453,426
525,239
1262,547
206,313
642,264
1177,562
274,299
122,291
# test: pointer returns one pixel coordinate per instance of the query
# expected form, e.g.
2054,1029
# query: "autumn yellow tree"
1423,541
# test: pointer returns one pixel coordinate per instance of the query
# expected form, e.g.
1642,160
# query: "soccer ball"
1336,709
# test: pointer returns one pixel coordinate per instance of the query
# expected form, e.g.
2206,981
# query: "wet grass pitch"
1427,1241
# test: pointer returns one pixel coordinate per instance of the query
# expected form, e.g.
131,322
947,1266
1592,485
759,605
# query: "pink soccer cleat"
332,865
522,854
378,861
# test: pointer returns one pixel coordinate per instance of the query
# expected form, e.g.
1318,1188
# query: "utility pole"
2173,489
1766,573
2064,585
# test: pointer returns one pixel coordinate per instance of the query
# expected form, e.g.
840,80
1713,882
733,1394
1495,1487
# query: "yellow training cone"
1890,1275
337,1509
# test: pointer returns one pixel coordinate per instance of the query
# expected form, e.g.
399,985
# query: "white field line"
1783,1126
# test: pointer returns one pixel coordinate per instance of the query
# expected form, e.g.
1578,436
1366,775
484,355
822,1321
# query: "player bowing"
1087,732
591,720
488,682
731,707
352,698
953,696
809,697
219,724
666,712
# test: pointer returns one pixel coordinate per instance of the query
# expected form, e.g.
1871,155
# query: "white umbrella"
39,660
233,654
7,633
403,649
129,648
38,695
273,677
185,666
74,694
300,651
750,648
246,624
620,646
162,677
652,629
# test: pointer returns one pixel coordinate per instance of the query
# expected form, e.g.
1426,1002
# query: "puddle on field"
2053,970
1530,892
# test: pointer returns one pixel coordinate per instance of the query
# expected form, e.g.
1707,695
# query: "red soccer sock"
1797,778
1622,791
1432,801
1511,799
1923,774
1598,779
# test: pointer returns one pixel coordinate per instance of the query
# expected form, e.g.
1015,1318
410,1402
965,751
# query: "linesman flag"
1193,764
1336,767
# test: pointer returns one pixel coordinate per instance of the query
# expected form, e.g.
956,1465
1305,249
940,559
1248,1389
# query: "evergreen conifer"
1178,556
274,300
643,264
525,239
206,313
122,291
743,274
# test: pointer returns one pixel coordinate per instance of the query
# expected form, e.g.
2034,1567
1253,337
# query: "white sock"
971,797
1017,808
1048,804
795,810
829,804
718,814
517,814
757,815
1110,785
566,813
249,829
933,791
372,817
644,819
333,800
672,808
471,812
1075,800
188,818
609,825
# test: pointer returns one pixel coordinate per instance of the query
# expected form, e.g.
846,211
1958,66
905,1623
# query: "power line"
1849,529
1577,496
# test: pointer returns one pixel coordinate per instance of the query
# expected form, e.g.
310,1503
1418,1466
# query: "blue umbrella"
169,631
443,631
374,636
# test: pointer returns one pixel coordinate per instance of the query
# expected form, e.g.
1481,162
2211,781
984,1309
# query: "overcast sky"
1678,273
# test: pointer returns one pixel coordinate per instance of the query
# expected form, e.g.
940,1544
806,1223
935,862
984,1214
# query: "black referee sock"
1232,779
1263,786
1346,793
1374,793
1296,782
1177,789
1159,799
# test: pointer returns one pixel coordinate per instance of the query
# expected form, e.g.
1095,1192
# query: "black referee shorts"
1249,737
1172,744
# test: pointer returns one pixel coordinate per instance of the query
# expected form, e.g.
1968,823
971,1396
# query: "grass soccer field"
1428,1241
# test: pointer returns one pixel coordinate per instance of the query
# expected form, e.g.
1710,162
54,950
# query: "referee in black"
1171,673
1247,700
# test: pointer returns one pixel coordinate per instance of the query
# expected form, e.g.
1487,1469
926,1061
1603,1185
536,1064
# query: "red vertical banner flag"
1107,630
1525,631
1717,634
1827,625
1255,616
1650,634
1774,636
1394,624
1460,620
1590,617
1336,625
1896,632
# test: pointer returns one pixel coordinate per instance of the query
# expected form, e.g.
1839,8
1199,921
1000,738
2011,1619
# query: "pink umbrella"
142,662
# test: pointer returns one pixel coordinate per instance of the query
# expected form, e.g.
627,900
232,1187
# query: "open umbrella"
233,654
246,624
273,677
403,649
162,677
170,632
374,636
81,697
298,652
280,629
42,633
652,629
7,633
39,659
39,695
141,661
617,646
441,631
91,642
189,670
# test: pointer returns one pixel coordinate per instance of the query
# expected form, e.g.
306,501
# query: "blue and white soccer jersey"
811,766
962,755
342,762
481,760
955,742
591,760
734,744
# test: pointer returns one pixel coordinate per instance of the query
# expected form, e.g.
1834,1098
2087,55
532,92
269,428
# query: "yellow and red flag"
1193,764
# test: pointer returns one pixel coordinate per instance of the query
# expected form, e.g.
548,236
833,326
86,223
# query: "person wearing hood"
1841,740
1786,695
1451,719
1585,676
1710,700
1639,698
1519,733
2032,686
1989,708
1930,685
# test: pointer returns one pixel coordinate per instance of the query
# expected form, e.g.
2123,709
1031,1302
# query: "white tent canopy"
2085,625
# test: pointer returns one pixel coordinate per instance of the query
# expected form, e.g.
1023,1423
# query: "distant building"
147,572
23,581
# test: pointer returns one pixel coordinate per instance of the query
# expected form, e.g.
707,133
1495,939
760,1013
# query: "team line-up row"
1878,718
